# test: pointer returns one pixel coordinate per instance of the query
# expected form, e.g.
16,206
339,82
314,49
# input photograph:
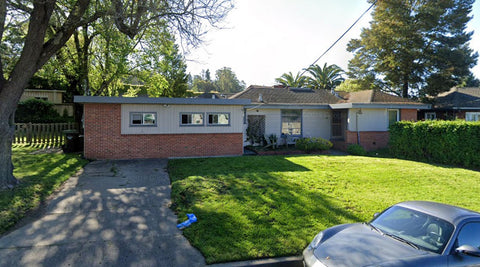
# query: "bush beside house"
446,142
313,144
38,111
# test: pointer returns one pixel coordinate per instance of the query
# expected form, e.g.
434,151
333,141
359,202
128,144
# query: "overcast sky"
262,39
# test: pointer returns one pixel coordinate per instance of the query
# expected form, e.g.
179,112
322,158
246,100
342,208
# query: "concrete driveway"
114,214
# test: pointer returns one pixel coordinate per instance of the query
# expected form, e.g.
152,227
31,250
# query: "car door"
469,234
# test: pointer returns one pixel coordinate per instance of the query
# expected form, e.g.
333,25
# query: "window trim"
301,122
388,115
192,113
216,124
434,117
143,113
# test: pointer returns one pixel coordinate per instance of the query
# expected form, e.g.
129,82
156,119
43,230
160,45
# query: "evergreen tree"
414,47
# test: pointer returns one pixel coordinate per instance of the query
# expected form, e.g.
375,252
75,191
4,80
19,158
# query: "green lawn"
272,206
40,174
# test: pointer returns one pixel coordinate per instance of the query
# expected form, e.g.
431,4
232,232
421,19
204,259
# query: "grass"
40,172
272,206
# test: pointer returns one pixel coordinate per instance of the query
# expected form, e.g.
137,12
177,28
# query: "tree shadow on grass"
33,190
102,219
253,212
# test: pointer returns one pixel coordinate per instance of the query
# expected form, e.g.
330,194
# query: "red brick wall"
369,140
408,114
373,140
103,139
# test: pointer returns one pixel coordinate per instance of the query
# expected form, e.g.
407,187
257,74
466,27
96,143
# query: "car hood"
360,245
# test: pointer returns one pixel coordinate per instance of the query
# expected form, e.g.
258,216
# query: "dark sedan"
413,233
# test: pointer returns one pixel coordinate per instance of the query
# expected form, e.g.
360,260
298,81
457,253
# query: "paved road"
114,214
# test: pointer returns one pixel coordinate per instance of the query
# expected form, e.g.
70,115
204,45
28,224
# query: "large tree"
414,47
45,35
227,82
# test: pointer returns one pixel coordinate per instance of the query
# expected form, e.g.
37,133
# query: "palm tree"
288,79
327,77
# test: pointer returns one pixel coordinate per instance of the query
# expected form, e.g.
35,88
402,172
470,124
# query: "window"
219,119
472,116
191,119
469,235
292,122
143,119
393,116
430,116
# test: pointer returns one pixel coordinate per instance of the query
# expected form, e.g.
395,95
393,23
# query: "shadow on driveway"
116,213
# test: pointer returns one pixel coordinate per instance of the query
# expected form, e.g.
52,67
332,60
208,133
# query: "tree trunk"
7,129
405,87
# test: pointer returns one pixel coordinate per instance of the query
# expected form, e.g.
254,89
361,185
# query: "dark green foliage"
446,142
37,111
313,144
414,48
357,150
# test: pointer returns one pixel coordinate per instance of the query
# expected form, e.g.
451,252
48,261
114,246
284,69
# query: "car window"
423,230
469,235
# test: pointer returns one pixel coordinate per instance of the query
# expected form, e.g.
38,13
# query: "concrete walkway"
114,214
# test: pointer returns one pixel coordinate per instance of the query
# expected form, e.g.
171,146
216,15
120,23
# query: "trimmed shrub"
356,149
313,144
446,142
37,111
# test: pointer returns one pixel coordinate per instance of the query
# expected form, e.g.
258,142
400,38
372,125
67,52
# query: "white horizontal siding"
315,122
368,120
168,119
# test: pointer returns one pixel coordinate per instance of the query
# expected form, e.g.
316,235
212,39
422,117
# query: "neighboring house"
53,96
142,127
458,103
350,118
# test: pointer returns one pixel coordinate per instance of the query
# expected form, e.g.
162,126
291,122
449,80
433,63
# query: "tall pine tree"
414,47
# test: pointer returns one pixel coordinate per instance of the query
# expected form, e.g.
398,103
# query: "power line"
366,11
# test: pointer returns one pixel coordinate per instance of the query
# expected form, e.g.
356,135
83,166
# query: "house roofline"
286,106
159,100
380,105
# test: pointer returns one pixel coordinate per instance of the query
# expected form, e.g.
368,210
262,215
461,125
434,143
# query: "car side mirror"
468,250
375,215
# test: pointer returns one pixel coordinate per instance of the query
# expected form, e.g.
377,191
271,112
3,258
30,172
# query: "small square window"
430,116
143,119
219,119
191,119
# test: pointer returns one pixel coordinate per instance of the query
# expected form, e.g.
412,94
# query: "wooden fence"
49,134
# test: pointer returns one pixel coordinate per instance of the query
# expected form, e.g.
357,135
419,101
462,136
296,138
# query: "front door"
338,124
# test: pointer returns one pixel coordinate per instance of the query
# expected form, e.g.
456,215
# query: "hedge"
37,111
310,144
445,142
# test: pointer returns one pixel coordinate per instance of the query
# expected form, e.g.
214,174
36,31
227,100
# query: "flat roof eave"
158,100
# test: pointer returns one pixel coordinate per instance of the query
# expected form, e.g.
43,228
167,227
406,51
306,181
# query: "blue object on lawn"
191,219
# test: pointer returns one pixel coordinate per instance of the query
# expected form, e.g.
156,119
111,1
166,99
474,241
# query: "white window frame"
190,123
472,116
388,116
227,114
430,116
144,121
288,115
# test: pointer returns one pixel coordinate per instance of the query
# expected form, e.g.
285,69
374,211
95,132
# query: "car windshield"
415,228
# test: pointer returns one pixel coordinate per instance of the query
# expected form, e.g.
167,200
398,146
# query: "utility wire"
366,11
